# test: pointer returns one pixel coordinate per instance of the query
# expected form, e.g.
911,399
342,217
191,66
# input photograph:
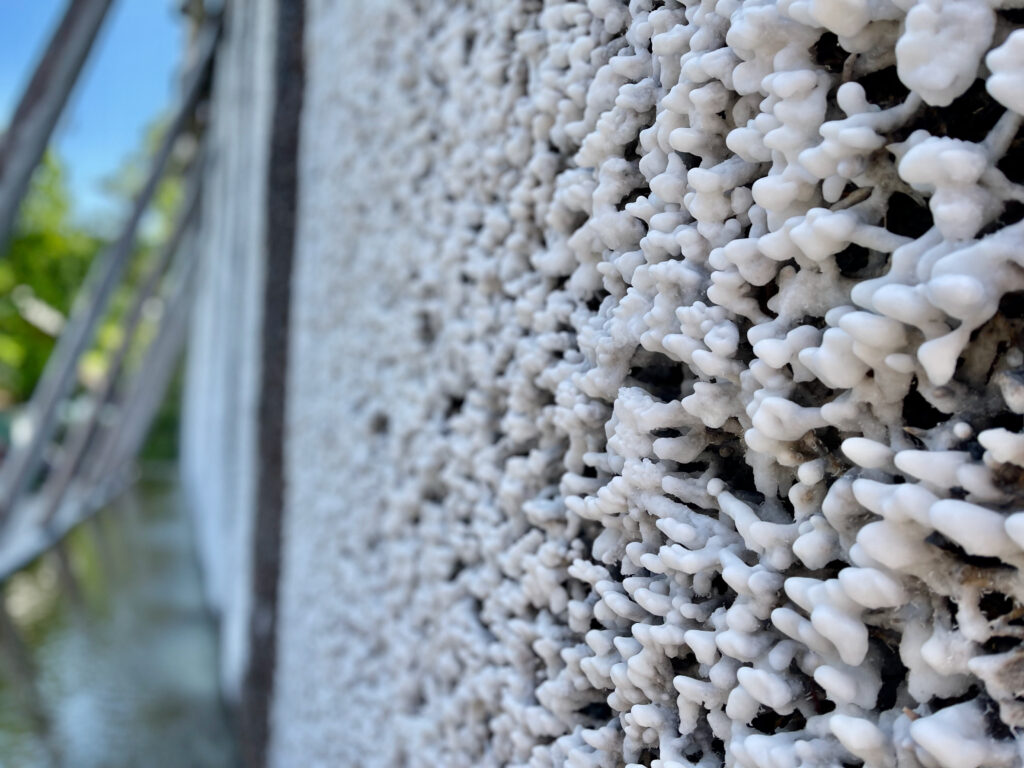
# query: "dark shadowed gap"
282,194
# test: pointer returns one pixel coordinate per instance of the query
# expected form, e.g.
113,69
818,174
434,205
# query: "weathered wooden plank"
41,104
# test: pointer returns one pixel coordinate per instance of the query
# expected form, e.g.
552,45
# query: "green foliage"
40,274
45,265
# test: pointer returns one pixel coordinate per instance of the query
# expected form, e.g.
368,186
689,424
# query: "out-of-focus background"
95,161
119,666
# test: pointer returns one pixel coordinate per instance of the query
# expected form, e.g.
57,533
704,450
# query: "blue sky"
129,79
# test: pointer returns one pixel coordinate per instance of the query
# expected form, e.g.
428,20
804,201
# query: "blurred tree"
46,263
40,274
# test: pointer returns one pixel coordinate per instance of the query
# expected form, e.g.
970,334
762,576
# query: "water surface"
128,675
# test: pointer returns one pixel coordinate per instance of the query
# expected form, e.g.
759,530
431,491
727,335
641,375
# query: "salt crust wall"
221,385
655,386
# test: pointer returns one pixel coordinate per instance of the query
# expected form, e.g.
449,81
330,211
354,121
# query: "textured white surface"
651,402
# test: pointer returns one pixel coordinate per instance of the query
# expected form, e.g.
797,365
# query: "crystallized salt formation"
657,386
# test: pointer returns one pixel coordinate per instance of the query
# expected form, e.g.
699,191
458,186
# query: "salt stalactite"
657,386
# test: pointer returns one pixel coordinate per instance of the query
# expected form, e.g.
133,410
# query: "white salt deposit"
638,354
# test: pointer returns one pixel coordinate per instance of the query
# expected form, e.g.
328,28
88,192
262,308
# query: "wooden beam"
281,224
80,438
42,102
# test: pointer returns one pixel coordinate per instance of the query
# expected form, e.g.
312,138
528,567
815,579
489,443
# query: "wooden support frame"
59,375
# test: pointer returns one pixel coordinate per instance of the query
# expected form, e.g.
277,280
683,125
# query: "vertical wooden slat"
281,208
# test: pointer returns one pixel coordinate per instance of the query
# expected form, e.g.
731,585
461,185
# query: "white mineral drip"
655,386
